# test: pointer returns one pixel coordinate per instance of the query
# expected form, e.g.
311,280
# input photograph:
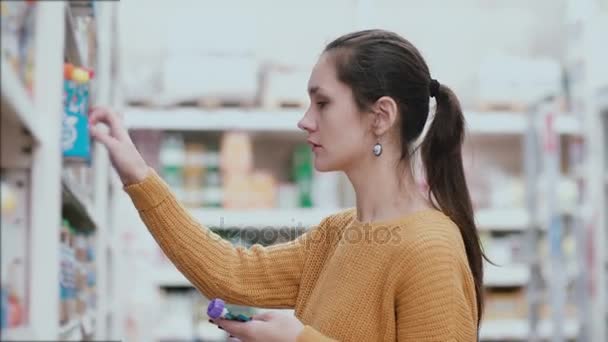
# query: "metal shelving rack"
586,54
31,143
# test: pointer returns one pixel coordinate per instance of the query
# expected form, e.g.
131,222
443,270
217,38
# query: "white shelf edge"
197,119
518,329
516,219
506,276
194,119
495,122
22,107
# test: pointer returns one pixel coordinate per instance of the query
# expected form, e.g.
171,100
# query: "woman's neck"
382,194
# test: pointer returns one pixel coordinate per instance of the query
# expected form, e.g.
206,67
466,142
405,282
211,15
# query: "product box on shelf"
281,86
17,35
75,139
513,83
77,278
14,248
229,79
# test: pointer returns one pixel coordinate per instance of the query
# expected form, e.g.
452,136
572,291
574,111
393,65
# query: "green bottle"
302,174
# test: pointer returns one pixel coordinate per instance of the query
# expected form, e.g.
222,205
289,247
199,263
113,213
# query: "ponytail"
441,152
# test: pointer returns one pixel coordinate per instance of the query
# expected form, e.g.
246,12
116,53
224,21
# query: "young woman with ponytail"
403,265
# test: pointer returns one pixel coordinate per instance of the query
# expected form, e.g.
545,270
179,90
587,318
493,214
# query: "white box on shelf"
210,77
285,87
516,82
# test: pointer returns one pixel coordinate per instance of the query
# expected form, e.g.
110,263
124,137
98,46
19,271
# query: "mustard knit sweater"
400,280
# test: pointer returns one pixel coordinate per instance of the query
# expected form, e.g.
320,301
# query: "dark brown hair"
376,63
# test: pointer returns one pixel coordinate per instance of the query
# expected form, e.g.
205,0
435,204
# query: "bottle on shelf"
302,174
194,172
212,193
172,158
63,273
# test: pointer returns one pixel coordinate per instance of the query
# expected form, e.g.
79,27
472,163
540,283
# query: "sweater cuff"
309,334
148,193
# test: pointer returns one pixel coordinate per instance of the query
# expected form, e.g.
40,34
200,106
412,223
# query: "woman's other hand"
266,327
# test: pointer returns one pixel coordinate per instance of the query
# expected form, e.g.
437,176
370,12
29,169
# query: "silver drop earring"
377,149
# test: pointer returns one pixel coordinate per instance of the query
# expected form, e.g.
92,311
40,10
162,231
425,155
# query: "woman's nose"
306,123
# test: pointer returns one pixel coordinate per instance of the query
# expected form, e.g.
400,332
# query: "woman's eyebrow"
313,90
316,90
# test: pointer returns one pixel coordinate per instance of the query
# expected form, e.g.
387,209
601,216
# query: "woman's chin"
322,166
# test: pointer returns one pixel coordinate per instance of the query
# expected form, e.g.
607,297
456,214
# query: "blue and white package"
75,138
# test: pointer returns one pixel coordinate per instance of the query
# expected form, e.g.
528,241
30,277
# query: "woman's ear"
385,113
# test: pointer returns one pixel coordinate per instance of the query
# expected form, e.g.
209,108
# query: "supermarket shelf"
187,119
502,219
17,334
195,119
72,50
506,276
225,219
73,330
518,329
19,107
496,122
78,206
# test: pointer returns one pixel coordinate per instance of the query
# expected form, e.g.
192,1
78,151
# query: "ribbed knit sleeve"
309,334
258,276
436,299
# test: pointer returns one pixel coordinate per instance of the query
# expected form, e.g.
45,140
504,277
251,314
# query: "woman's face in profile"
337,131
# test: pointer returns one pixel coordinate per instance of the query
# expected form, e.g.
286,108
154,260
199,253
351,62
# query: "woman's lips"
314,146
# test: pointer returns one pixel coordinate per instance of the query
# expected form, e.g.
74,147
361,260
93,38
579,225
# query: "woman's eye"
321,104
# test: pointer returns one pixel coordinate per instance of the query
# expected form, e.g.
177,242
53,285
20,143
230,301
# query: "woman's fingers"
102,136
105,115
263,316
240,330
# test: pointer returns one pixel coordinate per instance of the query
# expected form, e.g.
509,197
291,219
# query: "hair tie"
434,88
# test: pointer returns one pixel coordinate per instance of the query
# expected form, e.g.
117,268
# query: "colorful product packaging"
75,138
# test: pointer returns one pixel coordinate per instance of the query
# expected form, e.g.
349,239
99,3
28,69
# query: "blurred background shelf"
506,275
197,119
518,330
17,104
186,119
516,219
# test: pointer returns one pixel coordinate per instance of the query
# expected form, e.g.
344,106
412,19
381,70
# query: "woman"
401,266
